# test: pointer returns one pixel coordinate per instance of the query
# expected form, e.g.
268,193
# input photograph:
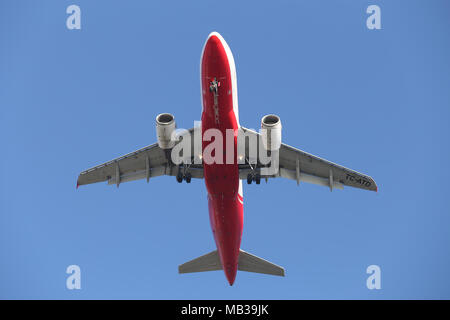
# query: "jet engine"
271,133
165,126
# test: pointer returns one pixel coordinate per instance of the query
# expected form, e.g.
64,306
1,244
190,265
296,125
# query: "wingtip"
78,185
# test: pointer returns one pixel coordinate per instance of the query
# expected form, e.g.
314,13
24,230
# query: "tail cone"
230,273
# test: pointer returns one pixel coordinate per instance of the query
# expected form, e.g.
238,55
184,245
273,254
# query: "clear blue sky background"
375,101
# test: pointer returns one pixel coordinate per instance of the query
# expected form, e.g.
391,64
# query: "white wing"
145,163
298,165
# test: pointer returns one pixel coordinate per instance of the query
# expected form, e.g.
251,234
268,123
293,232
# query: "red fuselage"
224,188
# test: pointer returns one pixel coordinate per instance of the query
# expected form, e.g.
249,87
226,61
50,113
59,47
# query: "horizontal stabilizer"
246,262
251,263
207,262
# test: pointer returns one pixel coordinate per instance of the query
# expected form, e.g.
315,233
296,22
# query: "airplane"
223,181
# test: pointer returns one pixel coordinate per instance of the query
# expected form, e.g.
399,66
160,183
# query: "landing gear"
186,176
249,178
253,177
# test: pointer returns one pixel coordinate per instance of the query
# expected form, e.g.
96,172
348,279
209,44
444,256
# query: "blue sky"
376,101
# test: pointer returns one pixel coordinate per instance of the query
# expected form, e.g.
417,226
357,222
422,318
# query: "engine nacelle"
271,133
165,126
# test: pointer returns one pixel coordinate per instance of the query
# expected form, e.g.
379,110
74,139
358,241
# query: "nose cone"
214,39
230,273
214,48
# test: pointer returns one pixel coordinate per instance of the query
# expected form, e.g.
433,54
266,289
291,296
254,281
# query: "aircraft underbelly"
221,177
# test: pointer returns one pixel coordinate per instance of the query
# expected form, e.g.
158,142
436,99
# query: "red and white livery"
223,179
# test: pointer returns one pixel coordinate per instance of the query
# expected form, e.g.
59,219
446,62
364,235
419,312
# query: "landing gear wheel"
188,177
179,177
249,178
257,179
